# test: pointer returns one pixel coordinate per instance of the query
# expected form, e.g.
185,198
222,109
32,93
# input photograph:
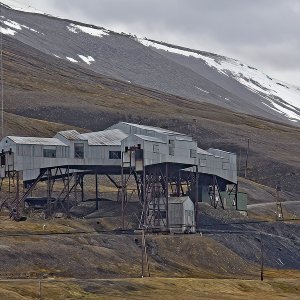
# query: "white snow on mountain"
16,5
71,59
87,59
206,92
89,30
277,96
12,26
7,31
281,97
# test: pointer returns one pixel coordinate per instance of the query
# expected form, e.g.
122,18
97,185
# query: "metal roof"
156,129
178,200
201,151
71,135
36,141
213,150
107,137
150,138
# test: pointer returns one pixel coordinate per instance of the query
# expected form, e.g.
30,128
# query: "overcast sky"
262,33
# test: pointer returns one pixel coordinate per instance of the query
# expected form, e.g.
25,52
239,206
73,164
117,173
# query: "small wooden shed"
181,215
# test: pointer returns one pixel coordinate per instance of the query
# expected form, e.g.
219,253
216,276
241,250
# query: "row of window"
203,163
193,152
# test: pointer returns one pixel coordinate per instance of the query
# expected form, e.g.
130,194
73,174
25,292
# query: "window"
3,160
225,165
172,143
139,154
114,154
156,148
158,215
171,151
202,160
49,153
193,153
79,150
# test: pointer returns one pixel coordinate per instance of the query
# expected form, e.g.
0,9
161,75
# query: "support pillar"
97,191
167,197
197,198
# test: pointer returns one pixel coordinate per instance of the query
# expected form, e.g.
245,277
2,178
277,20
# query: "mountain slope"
41,86
195,75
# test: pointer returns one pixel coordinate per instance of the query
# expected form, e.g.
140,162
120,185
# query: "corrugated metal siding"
175,214
151,128
106,137
150,138
71,135
36,141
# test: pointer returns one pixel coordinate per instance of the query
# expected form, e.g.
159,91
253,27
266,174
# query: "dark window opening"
160,215
3,160
193,153
139,154
49,153
79,150
114,154
156,148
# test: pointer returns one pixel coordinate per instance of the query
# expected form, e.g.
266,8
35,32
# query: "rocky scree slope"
192,74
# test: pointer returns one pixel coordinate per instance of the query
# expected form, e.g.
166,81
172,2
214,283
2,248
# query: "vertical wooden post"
40,289
144,198
167,197
246,167
143,252
197,197
68,195
97,191
261,258
48,194
122,190
82,187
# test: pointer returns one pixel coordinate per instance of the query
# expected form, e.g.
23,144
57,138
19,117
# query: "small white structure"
181,215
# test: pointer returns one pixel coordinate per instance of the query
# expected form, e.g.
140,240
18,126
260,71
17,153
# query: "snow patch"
250,77
71,59
201,90
13,24
7,31
56,56
87,59
89,30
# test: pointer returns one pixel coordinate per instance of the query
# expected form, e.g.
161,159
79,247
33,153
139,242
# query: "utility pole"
40,289
144,255
247,156
261,258
279,211
2,80
240,159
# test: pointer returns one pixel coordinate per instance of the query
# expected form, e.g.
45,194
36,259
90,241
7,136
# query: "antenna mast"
1,71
